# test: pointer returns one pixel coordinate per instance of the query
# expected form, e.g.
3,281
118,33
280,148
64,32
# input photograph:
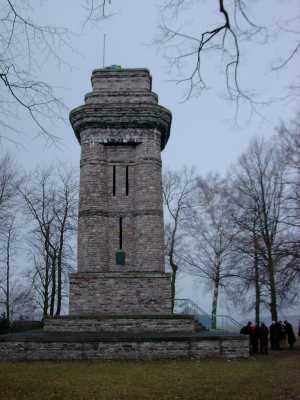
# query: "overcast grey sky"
204,131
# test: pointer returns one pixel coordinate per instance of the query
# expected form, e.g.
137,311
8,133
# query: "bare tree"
244,214
8,182
260,181
178,187
211,234
37,192
50,198
39,274
8,239
288,140
13,292
65,212
15,296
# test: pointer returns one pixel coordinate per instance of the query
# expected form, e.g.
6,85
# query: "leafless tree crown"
25,46
189,50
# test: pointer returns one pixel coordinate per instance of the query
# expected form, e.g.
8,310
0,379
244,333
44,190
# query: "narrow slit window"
114,180
127,180
120,253
120,233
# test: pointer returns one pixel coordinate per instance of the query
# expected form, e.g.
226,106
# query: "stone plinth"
123,324
70,346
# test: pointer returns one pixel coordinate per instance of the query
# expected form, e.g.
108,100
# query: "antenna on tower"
104,50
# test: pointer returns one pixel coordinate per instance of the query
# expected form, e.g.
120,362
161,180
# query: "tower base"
120,293
91,346
107,337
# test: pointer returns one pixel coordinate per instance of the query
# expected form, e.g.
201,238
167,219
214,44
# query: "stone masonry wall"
122,130
130,293
101,208
129,324
125,349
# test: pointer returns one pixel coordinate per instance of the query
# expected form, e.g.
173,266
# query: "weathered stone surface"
92,293
122,130
129,79
94,348
122,323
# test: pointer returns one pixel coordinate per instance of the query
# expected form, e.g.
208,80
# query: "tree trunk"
47,270
46,289
7,300
215,298
257,283
214,306
53,286
273,294
173,285
59,290
173,264
59,262
59,280
257,296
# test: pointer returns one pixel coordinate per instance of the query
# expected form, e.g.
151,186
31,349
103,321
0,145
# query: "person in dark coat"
275,329
299,328
246,329
254,338
251,330
263,338
290,334
282,334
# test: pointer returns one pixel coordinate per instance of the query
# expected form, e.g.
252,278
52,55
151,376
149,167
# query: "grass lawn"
272,377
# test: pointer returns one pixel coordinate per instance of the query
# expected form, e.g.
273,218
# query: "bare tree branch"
222,38
96,10
25,45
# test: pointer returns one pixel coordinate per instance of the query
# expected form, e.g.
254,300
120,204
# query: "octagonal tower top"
121,99
122,80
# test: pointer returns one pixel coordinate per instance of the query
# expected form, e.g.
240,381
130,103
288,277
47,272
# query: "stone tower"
122,131
120,301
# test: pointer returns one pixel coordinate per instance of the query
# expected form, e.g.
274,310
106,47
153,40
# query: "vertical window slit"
127,180
114,180
120,233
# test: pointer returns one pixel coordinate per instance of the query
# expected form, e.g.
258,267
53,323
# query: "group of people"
279,333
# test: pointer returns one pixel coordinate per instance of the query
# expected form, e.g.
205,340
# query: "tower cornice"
123,116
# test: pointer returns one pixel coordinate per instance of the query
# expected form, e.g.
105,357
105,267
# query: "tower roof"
121,98
127,79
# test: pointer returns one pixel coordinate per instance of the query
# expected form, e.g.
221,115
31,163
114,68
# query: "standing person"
290,334
252,330
299,328
279,328
282,334
263,338
275,335
254,335
246,329
272,335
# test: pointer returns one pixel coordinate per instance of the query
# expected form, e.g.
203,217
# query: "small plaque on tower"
120,257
